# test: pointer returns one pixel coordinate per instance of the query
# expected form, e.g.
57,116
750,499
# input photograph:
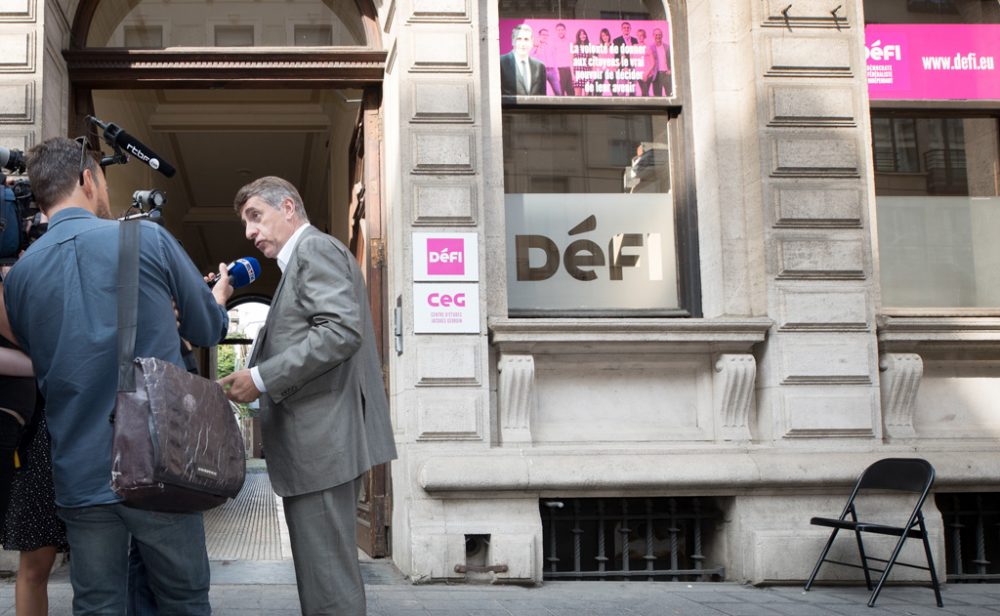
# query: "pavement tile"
248,595
764,596
859,608
525,610
967,598
743,609
796,609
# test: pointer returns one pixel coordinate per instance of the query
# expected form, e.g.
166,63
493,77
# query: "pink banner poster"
933,61
585,57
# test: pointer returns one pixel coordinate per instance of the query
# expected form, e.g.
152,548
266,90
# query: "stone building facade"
775,372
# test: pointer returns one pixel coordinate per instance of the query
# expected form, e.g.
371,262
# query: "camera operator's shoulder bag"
177,446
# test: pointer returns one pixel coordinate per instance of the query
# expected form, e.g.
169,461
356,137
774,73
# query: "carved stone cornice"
630,335
112,66
960,337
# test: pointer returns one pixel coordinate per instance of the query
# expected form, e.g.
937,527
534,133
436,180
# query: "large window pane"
202,23
582,9
937,189
932,11
589,211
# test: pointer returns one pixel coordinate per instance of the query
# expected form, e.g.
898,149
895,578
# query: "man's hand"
222,290
239,386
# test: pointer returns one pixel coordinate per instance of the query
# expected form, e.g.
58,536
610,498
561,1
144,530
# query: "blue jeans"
141,601
172,547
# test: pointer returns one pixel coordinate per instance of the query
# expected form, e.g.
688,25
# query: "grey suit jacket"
324,417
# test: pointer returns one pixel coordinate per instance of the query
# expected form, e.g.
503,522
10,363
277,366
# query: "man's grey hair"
271,190
518,28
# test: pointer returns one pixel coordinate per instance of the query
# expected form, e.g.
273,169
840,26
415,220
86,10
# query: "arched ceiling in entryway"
203,23
224,114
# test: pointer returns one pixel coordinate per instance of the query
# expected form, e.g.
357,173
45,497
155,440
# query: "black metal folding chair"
912,475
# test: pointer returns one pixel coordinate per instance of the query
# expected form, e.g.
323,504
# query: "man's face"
268,228
543,37
658,37
626,28
561,31
641,35
522,44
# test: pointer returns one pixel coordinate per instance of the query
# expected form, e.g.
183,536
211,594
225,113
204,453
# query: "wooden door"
367,243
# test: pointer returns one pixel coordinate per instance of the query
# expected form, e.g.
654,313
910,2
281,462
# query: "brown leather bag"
177,446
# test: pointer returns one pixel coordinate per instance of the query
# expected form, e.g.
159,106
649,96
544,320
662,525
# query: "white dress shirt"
283,256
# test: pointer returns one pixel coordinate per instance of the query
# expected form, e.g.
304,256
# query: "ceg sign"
445,257
446,308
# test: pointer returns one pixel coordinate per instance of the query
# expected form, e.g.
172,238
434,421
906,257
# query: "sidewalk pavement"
267,588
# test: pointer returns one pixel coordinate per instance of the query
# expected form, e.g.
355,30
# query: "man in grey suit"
324,414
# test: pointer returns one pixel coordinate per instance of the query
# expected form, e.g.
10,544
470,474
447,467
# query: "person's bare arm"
12,361
15,363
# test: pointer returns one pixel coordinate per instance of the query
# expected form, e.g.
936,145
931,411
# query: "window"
935,90
313,36
938,209
594,217
149,37
329,23
234,36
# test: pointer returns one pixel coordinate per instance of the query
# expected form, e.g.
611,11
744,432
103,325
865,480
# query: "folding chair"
894,474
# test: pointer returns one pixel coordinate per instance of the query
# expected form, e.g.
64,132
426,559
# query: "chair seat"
866,527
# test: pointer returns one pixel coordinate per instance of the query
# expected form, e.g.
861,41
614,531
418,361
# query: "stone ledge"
701,473
628,335
970,335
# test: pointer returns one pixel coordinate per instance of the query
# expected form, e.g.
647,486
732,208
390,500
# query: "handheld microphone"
241,272
116,137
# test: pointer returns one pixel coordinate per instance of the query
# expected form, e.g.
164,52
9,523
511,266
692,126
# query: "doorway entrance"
219,140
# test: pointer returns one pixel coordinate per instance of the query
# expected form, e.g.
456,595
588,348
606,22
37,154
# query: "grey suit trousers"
321,526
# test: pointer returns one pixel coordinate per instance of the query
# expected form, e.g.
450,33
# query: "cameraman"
62,300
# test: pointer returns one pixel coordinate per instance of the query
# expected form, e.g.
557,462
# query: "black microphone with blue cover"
242,272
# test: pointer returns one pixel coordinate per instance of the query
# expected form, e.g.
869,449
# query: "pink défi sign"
585,57
933,61
446,256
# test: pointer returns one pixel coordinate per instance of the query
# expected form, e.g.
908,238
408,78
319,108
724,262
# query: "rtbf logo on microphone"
445,257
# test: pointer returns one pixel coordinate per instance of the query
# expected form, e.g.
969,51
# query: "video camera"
20,220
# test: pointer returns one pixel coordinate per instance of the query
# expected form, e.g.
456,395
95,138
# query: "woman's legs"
31,596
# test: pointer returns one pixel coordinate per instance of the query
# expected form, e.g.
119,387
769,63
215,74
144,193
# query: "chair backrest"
901,474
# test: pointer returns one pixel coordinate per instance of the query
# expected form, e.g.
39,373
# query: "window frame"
680,134
933,108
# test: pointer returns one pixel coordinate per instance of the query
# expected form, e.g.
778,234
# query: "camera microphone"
118,138
12,160
241,272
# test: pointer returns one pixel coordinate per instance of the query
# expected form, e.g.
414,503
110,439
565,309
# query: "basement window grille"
654,539
971,536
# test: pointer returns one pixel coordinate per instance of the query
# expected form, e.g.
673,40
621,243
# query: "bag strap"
128,302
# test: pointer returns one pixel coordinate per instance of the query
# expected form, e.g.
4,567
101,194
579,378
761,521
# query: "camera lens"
149,199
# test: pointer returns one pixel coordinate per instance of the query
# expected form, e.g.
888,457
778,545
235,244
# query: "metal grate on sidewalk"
248,527
629,539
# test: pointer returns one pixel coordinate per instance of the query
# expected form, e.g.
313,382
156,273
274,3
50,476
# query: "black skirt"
31,521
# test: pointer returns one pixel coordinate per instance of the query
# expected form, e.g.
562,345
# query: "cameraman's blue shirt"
61,299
